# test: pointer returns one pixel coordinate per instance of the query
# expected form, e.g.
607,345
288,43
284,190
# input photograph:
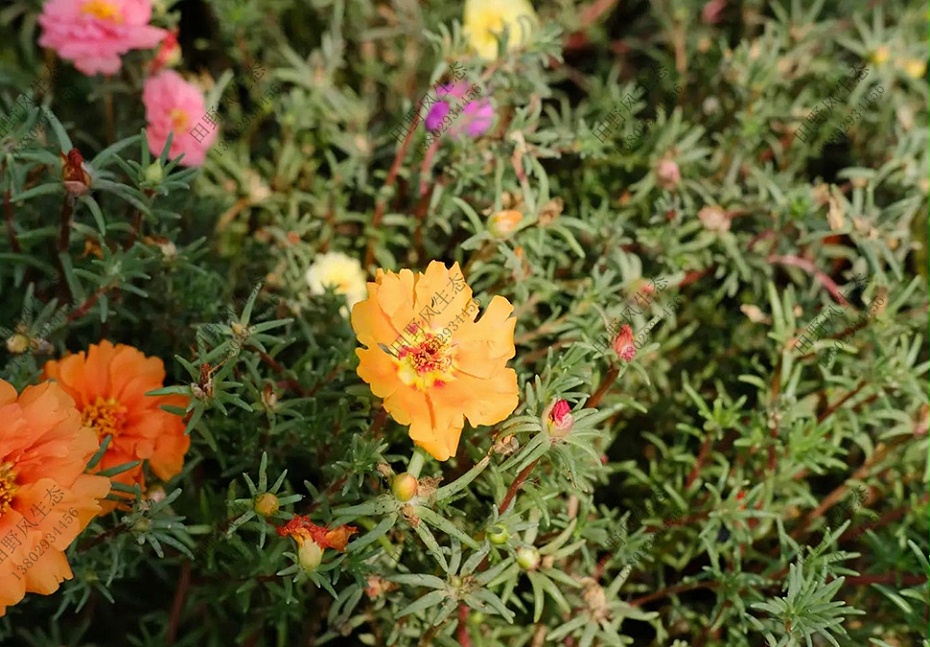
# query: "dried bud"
266,504
923,424
74,173
667,174
528,558
503,223
17,344
269,398
404,487
558,418
714,218
623,344
836,213
754,313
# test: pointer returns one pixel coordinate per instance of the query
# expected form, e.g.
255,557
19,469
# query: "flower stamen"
103,10
106,417
8,487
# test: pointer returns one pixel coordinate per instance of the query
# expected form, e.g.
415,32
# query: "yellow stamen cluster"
179,119
107,417
8,487
103,10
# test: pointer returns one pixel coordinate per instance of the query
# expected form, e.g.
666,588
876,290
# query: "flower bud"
623,344
266,504
404,487
503,223
498,535
309,555
667,174
528,558
558,418
74,173
17,344
154,174
714,218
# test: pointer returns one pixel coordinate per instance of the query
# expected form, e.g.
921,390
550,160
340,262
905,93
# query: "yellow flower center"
103,10
425,362
107,417
179,119
8,487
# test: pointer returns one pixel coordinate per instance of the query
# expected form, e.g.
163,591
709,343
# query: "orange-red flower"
312,539
45,497
108,385
429,359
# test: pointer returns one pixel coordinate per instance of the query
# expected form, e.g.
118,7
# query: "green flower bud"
154,174
309,555
404,487
498,535
528,558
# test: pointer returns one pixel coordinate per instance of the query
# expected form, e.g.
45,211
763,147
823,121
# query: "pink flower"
623,344
474,119
95,33
173,104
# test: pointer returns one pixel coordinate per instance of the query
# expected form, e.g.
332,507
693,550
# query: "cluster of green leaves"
527,538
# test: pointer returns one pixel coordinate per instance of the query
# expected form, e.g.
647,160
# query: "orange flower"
109,387
429,359
45,497
310,553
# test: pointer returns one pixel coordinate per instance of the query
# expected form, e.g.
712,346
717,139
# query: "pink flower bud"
559,419
623,344
667,174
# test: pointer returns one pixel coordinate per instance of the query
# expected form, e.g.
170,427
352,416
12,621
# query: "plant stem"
416,462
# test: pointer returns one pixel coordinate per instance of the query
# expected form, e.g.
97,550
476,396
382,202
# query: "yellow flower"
880,54
429,359
342,273
485,21
915,68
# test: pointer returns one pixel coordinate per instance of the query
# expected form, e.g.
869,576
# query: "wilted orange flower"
429,359
310,553
45,497
109,386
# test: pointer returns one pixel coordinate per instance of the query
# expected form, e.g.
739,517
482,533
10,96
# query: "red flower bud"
74,173
623,344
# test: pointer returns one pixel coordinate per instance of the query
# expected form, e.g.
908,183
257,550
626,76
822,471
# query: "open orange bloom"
45,497
429,359
109,387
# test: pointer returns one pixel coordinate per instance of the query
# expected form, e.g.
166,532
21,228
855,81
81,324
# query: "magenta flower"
469,114
94,34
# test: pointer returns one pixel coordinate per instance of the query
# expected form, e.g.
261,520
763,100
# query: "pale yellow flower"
342,273
915,68
485,21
